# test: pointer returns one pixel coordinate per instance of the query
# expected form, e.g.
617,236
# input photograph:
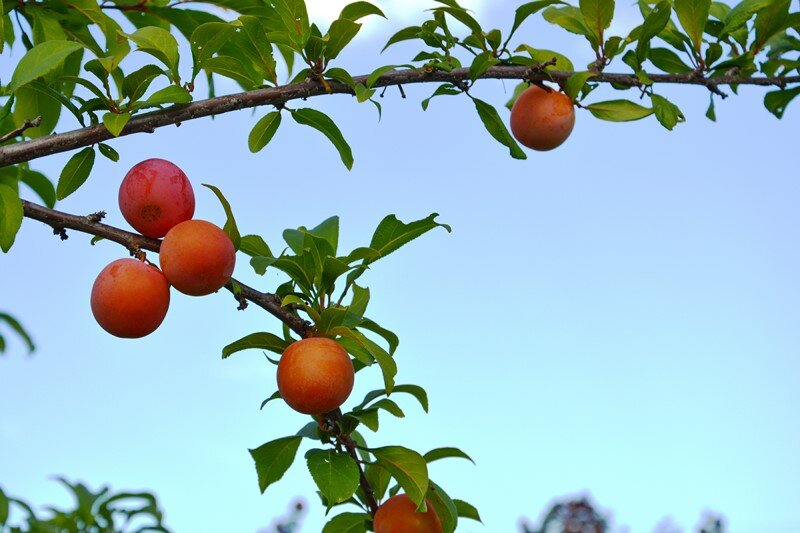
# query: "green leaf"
254,246
294,20
230,222
40,61
481,64
777,101
347,523
261,341
341,32
770,21
693,15
75,172
576,82
160,44
668,61
495,126
406,34
445,453
15,325
206,40
408,468
655,21
115,122
461,15
741,13
273,459
526,10
377,73
264,130
31,102
446,89
136,83
571,19
619,110
323,123
597,14
341,75
465,510
39,184
171,94
274,396
391,233
232,68
108,152
358,10
335,473
11,214
444,507
4,504
667,113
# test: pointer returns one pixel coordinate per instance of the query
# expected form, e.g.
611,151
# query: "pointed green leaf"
115,122
261,341
392,233
444,507
254,245
407,467
11,214
777,101
406,34
323,123
341,32
693,15
348,523
263,131
41,60
230,223
444,453
465,510
108,152
667,113
576,82
159,43
335,473
531,8
495,126
40,185
481,64
741,13
358,10
619,110
75,172
171,94
273,459
597,14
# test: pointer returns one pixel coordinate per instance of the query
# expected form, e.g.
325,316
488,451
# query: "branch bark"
277,96
60,221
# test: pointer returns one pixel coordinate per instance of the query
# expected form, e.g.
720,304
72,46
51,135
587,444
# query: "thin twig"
31,123
60,222
277,96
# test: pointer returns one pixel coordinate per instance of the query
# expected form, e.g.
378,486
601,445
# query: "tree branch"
60,222
277,96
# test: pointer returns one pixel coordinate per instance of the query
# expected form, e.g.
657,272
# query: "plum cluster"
130,297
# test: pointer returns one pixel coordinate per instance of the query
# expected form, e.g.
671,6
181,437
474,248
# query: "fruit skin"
197,257
130,298
542,120
154,196
315,375
398,515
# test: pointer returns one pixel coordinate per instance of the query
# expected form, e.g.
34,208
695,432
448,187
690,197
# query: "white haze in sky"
328,10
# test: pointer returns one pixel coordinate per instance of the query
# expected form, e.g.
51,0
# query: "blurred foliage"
103,511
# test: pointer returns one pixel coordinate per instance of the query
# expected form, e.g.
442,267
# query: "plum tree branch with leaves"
75,63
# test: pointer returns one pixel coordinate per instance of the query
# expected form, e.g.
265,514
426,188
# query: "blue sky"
617,317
